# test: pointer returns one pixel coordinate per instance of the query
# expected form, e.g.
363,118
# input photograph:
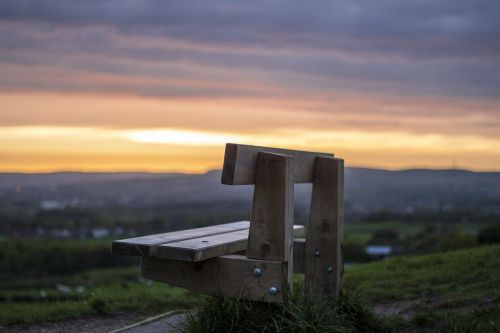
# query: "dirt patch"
166,324
404,309
87,325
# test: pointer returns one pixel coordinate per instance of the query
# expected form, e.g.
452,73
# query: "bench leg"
266,272
271,225
323,256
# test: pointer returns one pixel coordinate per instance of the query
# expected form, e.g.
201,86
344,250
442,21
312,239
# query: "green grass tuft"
302,313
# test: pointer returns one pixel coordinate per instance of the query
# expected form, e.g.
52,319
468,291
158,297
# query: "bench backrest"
240,163
273,172
198,259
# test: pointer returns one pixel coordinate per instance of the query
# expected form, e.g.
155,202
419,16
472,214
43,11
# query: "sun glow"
53,148
183,137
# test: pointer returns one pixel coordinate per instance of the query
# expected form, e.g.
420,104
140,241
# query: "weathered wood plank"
142,246
323,257
299,253
203,248
228,276
198,249
271,224
240,163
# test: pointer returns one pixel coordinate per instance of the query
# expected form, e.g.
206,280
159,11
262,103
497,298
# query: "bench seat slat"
199,249
141,246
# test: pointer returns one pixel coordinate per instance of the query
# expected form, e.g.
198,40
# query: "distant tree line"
56,257
430,216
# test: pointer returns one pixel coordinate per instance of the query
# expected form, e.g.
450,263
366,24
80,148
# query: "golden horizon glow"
87,88
47,132
181,137
77,148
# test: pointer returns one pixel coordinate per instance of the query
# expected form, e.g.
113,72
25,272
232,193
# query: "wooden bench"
255,260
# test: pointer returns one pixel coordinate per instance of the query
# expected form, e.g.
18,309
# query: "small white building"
379,251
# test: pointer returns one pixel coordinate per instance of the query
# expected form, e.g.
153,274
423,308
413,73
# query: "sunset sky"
162,85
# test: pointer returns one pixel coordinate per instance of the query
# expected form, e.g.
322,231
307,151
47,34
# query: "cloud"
423,66
339,112
108,50
450,47
37,148
414,28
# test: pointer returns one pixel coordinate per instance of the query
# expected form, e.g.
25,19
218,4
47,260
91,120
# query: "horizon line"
218,170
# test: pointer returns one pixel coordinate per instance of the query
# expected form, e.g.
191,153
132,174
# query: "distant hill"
366,190
370,190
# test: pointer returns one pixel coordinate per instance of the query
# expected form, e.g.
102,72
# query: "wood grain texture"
271,224
198,249
270,236
145,246
299,253
325,228
240,163
228,276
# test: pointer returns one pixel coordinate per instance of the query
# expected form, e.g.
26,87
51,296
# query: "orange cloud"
336,111
39,148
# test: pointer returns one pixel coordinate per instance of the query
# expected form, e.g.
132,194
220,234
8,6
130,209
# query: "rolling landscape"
120,120
368,192
59,226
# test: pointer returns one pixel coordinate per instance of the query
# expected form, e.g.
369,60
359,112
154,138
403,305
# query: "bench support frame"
265,272
323,251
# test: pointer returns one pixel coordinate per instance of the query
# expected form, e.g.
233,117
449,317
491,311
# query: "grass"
462,276
107,292
362,232
456,291
301,313
448,292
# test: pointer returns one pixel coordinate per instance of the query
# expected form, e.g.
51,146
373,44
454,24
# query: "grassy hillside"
459,289
448,292
100,292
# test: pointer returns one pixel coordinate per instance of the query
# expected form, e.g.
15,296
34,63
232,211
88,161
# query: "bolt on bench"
209,260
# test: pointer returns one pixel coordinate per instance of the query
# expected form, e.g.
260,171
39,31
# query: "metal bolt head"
317,253
273,291
329,269
257,271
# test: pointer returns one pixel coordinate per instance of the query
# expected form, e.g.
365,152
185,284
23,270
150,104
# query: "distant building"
383,251
378,251
100,232
52,205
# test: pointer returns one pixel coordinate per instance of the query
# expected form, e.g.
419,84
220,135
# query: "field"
90,293
447,292
66,279
458,289
362,232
